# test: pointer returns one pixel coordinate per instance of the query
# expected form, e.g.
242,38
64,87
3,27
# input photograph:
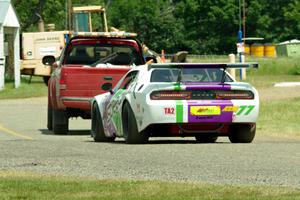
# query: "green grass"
39,187
36,88
279,118
276,66
268,81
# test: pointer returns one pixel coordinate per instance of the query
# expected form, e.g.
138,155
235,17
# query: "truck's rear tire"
97,130
49,118
242,133
60,122
130,129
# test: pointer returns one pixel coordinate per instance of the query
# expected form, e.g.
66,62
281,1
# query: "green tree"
152,20
292,19
198,26
211,26
27,11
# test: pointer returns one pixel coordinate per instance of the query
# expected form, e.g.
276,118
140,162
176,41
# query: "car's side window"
128,79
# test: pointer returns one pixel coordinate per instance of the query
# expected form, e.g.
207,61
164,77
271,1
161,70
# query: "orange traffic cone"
163,59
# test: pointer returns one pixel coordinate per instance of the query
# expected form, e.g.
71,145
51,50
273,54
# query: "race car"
200,100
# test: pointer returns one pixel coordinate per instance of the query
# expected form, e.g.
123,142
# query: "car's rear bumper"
194,129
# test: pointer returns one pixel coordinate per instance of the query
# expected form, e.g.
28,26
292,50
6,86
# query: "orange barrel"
270,50
247,49
257,50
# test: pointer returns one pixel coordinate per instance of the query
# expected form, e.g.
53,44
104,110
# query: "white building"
9,41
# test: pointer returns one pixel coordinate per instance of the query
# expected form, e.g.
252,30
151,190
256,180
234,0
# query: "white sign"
240,47
47,51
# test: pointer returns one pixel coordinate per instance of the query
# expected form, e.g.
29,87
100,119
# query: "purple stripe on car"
208,86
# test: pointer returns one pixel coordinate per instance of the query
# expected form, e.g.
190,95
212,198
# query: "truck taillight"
170,95
234,94
62,84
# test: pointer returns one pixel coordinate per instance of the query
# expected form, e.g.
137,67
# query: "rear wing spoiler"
203,65
223,66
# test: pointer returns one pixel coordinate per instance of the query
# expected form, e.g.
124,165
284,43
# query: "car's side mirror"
48,60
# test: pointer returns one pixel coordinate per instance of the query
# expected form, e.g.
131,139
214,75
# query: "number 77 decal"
245,110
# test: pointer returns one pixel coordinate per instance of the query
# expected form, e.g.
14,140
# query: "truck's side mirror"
48,60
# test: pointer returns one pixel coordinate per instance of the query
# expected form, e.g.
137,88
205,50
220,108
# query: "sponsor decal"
230,109
239,110
203,117
169,111
205,110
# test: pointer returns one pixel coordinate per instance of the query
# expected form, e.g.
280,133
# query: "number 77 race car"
177,99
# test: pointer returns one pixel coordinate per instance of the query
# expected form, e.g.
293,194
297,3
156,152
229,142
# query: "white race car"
179,99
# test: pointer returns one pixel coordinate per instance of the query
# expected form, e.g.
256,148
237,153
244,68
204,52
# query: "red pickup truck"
88,66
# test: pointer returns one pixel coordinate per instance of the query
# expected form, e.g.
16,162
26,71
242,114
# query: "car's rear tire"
60,122
49,118
130,129
97,130
206,139
242,133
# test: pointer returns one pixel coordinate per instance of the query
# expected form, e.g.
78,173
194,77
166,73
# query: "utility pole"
240,44
240,32
244,19
70,27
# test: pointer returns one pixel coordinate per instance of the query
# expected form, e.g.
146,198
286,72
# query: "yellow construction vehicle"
36,45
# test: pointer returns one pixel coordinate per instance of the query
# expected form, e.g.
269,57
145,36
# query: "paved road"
27,146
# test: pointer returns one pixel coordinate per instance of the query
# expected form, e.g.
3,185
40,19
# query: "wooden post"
243,70
232,60
2,58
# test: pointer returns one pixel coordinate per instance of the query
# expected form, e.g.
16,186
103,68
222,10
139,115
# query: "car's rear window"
189,75
91,54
